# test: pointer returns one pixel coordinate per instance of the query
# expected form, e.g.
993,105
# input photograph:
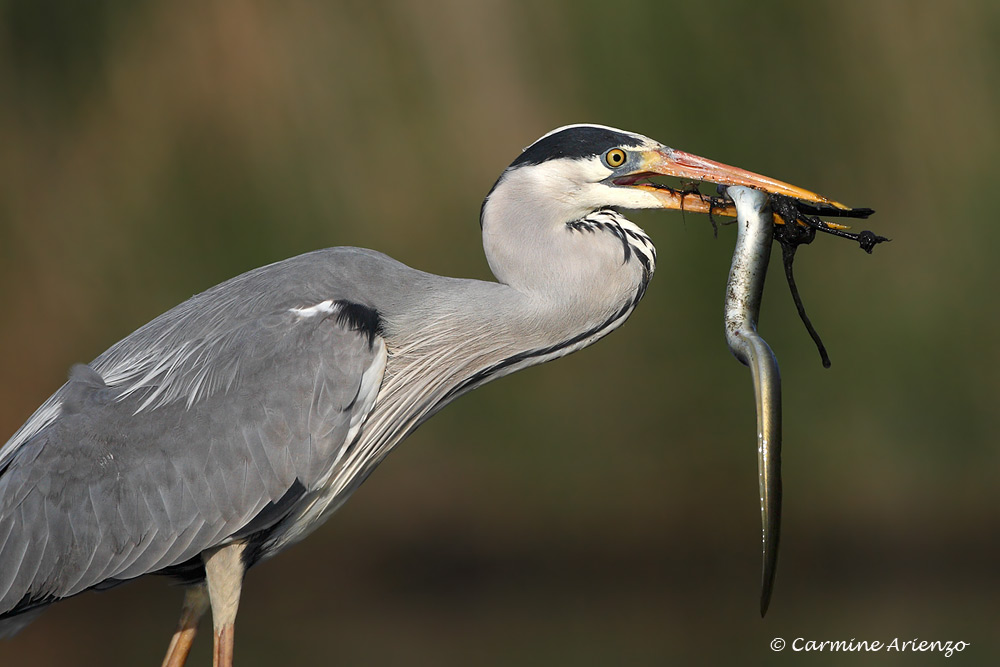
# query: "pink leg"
195,606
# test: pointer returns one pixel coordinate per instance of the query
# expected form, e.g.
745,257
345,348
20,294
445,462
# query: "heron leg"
195,606
224,570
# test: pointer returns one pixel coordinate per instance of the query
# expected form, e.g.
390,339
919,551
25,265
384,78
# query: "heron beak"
671,162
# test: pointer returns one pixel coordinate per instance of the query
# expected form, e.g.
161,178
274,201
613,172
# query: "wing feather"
222,414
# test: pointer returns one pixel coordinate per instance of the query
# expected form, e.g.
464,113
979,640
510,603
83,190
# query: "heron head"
579,168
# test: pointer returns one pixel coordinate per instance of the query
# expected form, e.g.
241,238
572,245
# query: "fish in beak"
744,291
688,167
760,203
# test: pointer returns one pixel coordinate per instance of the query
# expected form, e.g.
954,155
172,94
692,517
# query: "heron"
233,425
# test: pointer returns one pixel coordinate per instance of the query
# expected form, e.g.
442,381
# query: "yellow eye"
615,157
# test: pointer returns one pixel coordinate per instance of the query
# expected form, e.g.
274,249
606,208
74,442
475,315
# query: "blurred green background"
602,509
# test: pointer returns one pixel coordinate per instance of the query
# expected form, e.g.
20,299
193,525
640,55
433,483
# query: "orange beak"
686,166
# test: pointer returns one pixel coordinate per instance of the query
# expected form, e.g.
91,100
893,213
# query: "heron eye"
615,157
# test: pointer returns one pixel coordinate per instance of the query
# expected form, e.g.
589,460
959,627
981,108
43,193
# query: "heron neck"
447,336
467,333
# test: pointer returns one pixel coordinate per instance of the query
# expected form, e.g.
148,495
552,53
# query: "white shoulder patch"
323,308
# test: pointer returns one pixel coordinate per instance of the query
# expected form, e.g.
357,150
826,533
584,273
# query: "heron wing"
209,423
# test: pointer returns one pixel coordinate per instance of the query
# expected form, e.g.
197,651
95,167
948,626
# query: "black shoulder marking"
358,317
574,142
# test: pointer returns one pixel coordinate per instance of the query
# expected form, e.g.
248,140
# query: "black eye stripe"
575,142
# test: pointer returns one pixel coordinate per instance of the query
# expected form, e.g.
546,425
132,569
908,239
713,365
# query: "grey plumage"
155,461
234,424
178,436
251,411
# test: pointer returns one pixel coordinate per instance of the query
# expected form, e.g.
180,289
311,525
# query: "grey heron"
231,426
